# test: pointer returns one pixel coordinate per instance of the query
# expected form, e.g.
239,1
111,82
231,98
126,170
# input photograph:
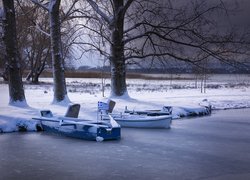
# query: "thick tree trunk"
60,91
118,72
16,91
117,60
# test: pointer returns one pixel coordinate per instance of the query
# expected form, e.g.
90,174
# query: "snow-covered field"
223,92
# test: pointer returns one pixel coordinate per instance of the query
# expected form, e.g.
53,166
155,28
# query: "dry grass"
130,75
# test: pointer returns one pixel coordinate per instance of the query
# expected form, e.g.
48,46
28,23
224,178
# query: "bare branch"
99,11
44,6
69,11
38,28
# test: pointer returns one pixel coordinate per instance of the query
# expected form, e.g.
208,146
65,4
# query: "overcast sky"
238,10
241,15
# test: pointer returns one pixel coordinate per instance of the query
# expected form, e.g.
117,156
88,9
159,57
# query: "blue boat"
71,126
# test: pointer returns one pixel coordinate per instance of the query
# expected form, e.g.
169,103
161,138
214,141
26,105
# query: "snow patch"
11,124
21,104
64,102
125,96
230,104
179,112
99,139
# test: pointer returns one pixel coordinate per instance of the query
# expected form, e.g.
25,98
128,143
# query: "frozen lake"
214,147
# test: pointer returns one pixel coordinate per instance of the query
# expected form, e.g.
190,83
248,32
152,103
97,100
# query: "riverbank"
142,95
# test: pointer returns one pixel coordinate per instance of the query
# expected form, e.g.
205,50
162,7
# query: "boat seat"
157,114
46,113
73,110
167,109
111,105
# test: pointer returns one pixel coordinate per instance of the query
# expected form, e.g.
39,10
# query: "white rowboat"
143,121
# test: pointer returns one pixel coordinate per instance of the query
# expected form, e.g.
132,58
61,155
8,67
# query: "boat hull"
140,121
86,132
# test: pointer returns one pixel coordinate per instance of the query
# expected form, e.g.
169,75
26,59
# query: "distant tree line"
217,68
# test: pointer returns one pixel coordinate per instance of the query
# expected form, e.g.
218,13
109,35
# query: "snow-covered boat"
71,126
138,119
166,110
143,121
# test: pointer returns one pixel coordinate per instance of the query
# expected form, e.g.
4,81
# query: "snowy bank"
185,102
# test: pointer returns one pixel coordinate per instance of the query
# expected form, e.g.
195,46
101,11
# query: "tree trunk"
117,60
16,91
60,91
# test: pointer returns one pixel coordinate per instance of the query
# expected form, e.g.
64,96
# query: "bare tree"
153,30
16,91
110,16
33,45
34,37
53,8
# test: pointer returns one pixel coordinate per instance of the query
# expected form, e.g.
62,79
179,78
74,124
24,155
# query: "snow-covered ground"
224,92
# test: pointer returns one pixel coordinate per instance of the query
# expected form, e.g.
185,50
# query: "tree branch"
44,6
99,11
69,12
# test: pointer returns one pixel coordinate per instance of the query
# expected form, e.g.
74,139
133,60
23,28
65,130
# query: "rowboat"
138,119
71,126
143,121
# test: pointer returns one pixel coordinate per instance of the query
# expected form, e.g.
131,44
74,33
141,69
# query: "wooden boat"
139,119
143,120
71,126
